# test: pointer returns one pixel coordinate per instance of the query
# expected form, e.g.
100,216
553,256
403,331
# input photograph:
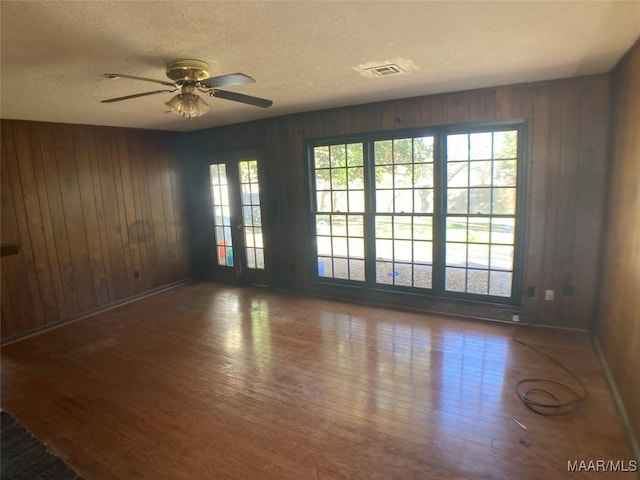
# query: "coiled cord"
541,395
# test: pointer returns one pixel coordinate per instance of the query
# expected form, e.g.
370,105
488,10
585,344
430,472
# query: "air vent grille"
395,67
386,70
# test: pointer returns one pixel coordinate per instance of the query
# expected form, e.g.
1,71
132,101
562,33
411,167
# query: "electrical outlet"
548,295
515,318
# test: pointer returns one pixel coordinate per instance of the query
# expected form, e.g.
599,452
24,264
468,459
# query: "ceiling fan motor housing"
187,70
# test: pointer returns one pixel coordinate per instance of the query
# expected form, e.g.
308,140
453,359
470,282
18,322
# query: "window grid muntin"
471,271
347,163
440,201
221,214
395,239
252,218
388,270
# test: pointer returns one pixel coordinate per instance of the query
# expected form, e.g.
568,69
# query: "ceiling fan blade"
120,75
227,80
135,95
239,97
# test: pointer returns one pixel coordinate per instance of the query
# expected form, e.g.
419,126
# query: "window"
340,199
404,211
433,212
481,212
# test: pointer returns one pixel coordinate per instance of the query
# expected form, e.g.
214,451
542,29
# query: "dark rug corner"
23,457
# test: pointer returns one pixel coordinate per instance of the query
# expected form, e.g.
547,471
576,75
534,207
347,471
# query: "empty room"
320,240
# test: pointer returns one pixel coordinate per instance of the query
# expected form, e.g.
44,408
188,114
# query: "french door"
238,242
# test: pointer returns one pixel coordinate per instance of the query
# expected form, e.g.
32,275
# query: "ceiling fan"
189,77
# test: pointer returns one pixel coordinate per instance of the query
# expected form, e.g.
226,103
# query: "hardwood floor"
207,381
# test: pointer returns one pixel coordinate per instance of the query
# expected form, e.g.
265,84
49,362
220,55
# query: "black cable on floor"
541,395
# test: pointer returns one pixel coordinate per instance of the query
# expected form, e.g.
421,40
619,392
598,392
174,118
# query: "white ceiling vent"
388,68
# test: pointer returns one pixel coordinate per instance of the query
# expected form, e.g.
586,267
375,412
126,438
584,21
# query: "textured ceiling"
302,54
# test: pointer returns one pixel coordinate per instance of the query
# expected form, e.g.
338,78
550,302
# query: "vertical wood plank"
13,268
46,265
438,110
164,177
538,179
178,199
147,219
157,218
8,325
36,256
89,214
58,221
372,117
458,108
131,233
590,201
141,229
295,259
491,104
503,103
477,103
554,158
353,120
271,226
412,113
567,191
49,142
391,116
119,156
40,156
72,217
107,157
96,148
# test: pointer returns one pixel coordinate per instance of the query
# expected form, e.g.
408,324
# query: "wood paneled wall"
567,164
87,206
90,205
618,327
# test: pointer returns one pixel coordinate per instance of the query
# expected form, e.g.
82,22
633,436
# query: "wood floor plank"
211,381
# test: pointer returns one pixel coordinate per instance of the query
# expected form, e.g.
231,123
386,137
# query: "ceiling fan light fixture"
191,77
188,105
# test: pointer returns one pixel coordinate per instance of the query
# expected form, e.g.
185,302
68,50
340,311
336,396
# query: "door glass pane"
221,216
252,218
